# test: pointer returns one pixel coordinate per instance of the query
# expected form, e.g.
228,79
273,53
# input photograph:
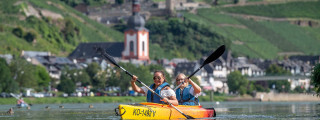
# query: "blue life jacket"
154,98
185,97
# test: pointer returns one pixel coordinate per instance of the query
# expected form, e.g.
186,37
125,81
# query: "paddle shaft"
128,73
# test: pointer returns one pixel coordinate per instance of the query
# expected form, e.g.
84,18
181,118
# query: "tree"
315,78
72,3
42,77
30,36
237,83
66,85
24,73
77,76
7,84
250,88
235,1
299,89
70,31
119,78
2,28
18,32
83,77
119,2
183,38
274,69
280,85
100,80
93,71
260,88
215,2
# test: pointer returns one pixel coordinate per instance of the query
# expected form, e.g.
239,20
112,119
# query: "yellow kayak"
149,110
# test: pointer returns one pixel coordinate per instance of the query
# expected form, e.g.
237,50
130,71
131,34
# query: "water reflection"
293,108
268,110
225,110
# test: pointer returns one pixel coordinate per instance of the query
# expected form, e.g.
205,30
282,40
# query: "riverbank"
137,99
98,99
286,97
277,97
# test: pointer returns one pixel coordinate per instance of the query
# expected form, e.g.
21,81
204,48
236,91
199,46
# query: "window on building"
143,46
131,46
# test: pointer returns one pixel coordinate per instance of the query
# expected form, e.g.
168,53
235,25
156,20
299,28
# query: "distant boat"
22,105
21,102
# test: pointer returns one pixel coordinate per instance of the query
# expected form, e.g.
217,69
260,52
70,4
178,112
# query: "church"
135,45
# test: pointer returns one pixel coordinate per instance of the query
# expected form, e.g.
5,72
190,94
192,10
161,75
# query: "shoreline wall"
286,97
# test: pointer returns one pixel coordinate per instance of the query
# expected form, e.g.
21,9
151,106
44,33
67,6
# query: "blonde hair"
180,74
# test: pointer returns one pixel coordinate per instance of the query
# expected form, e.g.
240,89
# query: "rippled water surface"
225,110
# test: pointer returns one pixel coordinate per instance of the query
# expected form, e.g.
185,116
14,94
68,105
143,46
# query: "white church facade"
136,43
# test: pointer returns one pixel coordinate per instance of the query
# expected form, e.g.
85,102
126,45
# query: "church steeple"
136,43
136,21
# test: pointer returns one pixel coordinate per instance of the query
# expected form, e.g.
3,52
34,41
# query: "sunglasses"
156,78
179,79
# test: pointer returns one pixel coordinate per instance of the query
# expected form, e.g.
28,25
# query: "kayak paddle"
215,55
109,58
18,97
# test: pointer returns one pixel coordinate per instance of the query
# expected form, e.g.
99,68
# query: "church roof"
86,50
186,67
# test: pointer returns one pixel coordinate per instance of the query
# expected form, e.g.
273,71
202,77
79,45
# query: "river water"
225,110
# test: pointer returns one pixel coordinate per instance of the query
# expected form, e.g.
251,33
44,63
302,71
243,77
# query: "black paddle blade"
215,55
189,117
106,55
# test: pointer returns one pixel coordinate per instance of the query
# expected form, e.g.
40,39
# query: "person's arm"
171,98
134,86
196,88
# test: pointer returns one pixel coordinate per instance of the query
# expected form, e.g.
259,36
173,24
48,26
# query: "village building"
87,52
53,64
241,64
312,60
215,71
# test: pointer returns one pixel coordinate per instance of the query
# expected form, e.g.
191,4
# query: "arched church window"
143,46
131,46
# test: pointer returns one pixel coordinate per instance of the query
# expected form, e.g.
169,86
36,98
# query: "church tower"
136,41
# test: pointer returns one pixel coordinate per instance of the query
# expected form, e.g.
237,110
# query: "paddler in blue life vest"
160,86
188,92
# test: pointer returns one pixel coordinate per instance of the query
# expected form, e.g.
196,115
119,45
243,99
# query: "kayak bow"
147,110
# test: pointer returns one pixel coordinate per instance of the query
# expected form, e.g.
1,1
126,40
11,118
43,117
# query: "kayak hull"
162,111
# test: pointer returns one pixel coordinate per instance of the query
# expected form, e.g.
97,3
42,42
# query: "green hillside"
309,9
20,31
258,38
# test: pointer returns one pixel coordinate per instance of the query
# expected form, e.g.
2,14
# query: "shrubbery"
184,38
